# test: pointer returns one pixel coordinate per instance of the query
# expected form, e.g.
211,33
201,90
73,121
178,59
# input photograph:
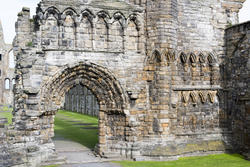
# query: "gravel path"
77,155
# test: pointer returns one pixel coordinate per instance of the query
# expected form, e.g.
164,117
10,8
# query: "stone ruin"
169,76
7,79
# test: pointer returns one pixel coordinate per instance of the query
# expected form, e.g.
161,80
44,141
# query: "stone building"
167,77
7,79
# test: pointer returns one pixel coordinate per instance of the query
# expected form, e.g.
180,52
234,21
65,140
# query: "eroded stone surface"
7,79
157,70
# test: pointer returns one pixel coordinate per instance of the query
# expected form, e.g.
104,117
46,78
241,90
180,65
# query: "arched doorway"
112,101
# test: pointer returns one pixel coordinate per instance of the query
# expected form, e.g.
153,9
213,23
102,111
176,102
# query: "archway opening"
77,121
98,84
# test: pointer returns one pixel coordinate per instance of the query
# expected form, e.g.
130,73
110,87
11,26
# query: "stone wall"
155,68
237,90
7,79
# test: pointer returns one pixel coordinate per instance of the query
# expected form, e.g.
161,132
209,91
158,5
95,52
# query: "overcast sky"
10,8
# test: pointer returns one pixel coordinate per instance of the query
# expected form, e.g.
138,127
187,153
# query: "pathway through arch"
73,154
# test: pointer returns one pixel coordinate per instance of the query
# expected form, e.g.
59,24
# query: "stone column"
161,26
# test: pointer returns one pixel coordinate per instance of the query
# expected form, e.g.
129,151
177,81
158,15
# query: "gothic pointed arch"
86,13
68,26
96,78
51,10
211,58
119,16
133,33
85,30
105,16
50,27
202,58
135,19
183,57
116,35
102,31
69,11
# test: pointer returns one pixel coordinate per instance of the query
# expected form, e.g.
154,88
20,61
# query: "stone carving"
192,96
202,96
149,64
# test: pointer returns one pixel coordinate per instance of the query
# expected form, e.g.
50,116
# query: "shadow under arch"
113,102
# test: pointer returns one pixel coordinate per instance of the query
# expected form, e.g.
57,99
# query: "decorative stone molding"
202,96
106,89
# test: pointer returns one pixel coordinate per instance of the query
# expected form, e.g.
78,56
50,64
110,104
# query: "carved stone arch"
70,11
211,58
116,35
51,10
193,97
153,57
85,30
102,31
49,27
213,68
134,18
119,16
68,24
105,16
98,79
170,55
132,33
87,13
202,58
183,57
193,57
113,101
156,57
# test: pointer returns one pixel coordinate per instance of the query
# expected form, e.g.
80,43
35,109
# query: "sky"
10,8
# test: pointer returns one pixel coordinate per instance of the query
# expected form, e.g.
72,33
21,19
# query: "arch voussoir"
96,78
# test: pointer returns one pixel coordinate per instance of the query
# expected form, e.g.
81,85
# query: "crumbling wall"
155,67
237,80
7,77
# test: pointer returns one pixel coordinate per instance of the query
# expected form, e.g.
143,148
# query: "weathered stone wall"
237,90
86,44
6,72
154,67
185,47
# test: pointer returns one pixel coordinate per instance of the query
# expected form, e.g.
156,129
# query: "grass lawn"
221,160
7,115
5,108
65,128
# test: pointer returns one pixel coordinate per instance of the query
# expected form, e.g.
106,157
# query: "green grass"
221,160
5,108
66,129
7,115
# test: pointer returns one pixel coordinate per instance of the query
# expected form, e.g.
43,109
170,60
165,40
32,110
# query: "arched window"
7,83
